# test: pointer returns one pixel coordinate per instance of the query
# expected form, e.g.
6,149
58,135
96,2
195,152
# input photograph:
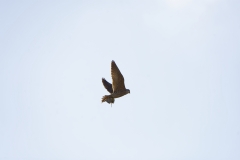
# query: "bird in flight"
117,88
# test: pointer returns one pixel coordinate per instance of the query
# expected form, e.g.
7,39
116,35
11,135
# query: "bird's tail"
108,99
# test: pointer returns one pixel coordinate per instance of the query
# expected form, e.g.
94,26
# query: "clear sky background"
180,59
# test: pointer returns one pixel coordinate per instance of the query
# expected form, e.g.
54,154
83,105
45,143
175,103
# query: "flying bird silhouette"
117,88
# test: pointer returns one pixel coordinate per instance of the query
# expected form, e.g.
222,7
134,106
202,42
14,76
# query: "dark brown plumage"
117,88
107,85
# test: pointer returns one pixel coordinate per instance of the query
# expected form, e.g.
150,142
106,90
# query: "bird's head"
128,91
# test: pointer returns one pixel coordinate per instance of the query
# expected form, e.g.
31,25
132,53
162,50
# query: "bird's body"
117,88
120,93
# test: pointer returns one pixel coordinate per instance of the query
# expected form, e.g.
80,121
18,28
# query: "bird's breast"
118,94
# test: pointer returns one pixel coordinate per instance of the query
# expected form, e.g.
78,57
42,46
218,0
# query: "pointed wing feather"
107,85
117,78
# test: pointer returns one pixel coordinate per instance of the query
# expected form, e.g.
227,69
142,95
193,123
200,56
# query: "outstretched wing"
117,78
107,85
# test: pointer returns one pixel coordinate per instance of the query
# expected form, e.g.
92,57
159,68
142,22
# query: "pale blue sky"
180,59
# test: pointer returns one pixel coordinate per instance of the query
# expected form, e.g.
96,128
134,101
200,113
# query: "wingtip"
113,63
